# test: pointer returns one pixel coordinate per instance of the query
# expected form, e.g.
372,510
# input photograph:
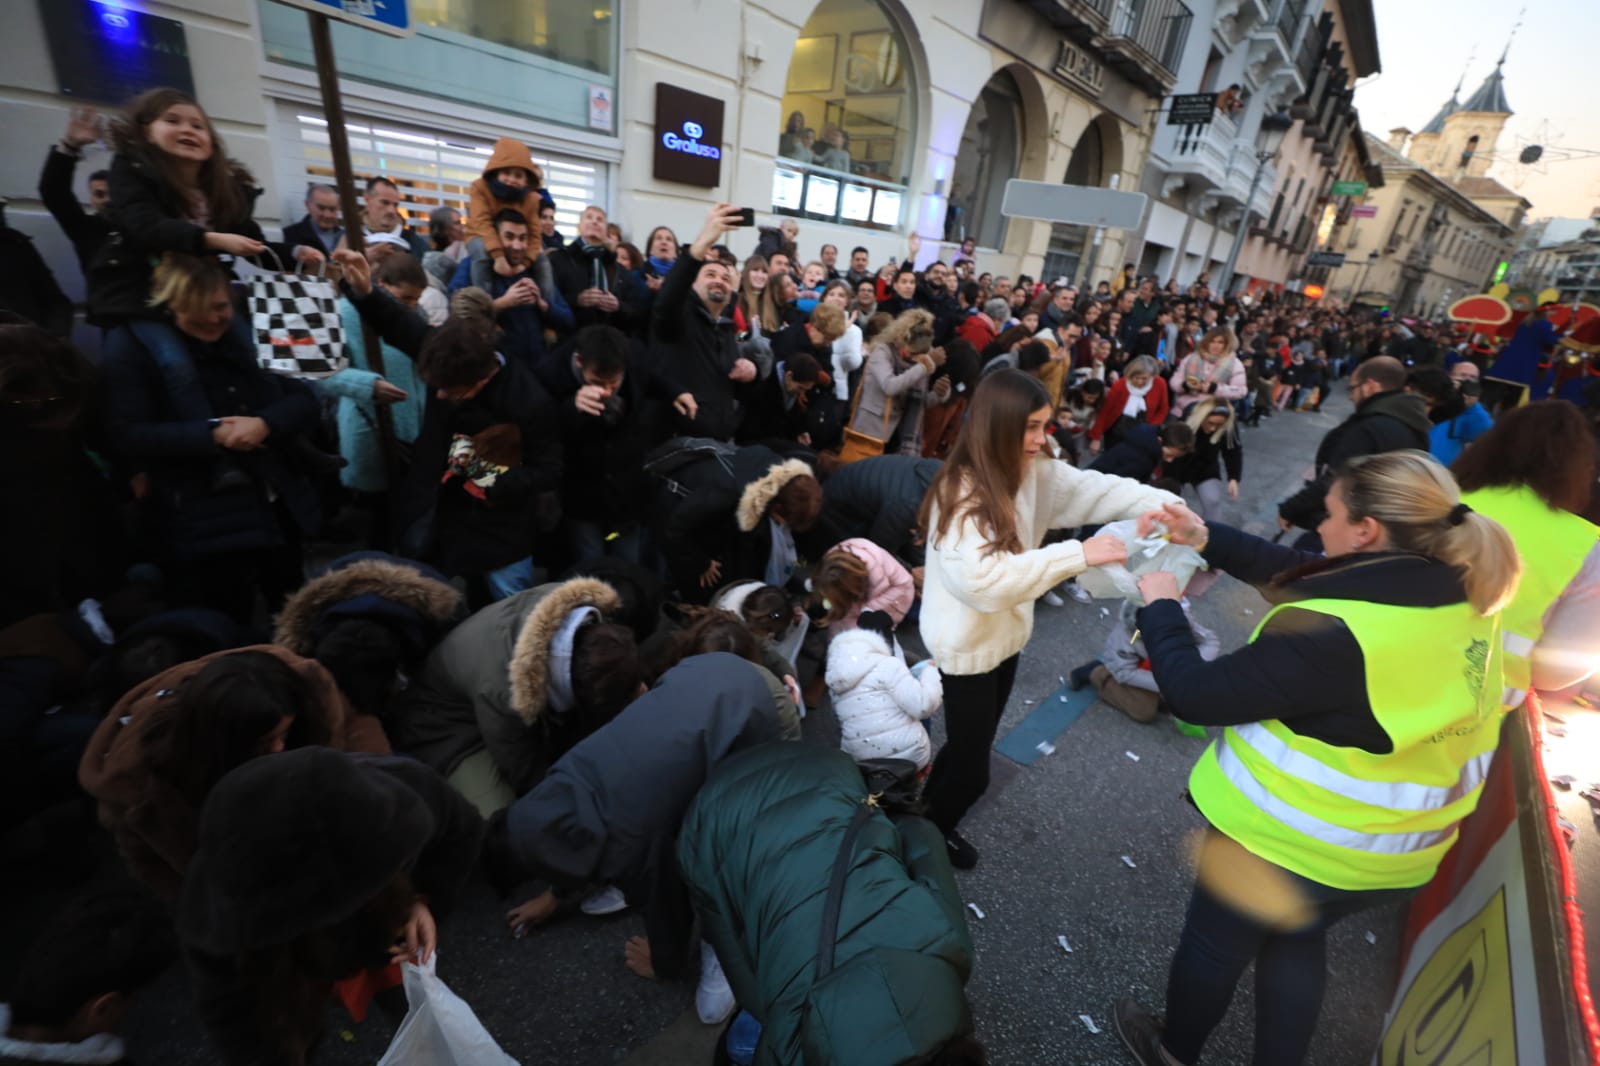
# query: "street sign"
392,17
1349,188
1364,211
1077,205
1325,259
1192,109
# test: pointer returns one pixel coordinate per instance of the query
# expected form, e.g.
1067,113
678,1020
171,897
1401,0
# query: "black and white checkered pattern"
298,331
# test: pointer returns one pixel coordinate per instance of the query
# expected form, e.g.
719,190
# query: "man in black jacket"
877,498
598,291
1386,419
321,228
695,342
87,230
613,410
486,466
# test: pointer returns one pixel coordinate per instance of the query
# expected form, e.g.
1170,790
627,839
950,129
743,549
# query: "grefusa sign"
688,136
689,142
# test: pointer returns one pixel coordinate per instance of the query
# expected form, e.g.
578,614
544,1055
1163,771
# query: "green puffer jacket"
757,850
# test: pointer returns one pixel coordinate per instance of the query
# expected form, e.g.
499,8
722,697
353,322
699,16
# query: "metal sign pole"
354,227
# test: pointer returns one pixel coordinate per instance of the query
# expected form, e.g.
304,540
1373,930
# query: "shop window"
541,59
990,153
846,148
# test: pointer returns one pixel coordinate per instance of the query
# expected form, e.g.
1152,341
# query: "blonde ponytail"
1418,504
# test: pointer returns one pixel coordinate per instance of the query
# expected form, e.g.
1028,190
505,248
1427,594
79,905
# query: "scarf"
1135,404
784,556
661,266
596,254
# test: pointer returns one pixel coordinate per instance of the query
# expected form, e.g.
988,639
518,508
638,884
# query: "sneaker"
1079,677
1052,599
608,900
963,856
1140,1032
713,998
1079,593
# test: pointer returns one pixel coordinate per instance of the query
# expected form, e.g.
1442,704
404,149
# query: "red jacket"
977,329
1156,405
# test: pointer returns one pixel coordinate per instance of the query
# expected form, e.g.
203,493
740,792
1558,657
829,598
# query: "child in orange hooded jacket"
510,180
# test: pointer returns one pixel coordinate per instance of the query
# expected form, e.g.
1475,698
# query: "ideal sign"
688,136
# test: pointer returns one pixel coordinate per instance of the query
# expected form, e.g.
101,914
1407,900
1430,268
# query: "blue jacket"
1450,438
523,327
358,417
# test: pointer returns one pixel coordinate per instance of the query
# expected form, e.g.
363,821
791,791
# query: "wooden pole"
354,226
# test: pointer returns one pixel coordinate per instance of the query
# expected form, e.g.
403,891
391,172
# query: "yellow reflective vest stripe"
1553,545
1355,819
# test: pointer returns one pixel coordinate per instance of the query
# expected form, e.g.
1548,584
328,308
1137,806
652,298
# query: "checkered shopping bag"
296,319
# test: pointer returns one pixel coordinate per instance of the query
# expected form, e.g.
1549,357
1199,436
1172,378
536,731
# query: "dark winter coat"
878,498
522,329
1387,422
575,269
712,505
87,231
148,219
1137,455
27,287
153,823
445,523
757,850
609,810
698,349
484,686
358,822
602,477
196,520
411,600
1306,668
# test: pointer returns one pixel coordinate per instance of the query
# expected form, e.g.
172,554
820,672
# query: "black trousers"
973,704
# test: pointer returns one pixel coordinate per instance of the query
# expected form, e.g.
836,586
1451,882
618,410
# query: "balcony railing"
1157,28
1095,15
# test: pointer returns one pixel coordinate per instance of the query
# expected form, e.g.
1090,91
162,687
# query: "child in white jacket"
879,701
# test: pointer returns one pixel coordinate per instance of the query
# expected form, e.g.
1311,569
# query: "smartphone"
747,217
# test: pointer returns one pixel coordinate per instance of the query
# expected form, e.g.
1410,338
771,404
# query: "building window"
541,60
990,153
847,147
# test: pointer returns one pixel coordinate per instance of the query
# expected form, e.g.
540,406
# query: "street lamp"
1273,130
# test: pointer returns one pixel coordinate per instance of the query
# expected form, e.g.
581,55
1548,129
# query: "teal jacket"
757,850
358,415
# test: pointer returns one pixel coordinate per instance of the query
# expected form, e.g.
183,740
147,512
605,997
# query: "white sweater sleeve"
1073,497
1000,580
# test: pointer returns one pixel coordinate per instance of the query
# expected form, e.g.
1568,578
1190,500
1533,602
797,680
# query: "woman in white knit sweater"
986,515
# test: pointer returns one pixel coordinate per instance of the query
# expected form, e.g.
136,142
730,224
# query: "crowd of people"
539,581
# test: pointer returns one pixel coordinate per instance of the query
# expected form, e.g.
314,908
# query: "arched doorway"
989,156
847,147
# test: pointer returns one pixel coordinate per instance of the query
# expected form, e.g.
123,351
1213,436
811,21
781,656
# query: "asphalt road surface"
1052,837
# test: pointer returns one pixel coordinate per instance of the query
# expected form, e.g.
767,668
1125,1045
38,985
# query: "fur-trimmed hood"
759,494
391,591
529,668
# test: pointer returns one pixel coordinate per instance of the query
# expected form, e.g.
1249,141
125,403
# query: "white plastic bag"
1117,581
439,1028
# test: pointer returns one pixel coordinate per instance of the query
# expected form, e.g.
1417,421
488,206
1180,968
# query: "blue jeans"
1291,971
509,579
171,356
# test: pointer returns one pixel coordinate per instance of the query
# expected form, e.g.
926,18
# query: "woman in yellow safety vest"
1360,722
1533,472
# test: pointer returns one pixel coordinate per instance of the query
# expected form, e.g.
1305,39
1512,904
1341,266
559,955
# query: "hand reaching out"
386,392
83,127
1183,525
536,910
743,371
357,271
1103,550
234,244
417,938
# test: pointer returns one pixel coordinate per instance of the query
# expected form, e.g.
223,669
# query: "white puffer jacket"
879,702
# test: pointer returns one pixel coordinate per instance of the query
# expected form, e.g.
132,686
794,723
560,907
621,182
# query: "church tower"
1467,144
1425,148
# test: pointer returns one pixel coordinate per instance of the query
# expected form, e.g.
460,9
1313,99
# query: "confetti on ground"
1372,938
1129,863
1131,755
1564,782
1044,747
1105,612
1062,940
1580,701
1248,611
1089,1022
975,909
1556,730
1063,699
347,1036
